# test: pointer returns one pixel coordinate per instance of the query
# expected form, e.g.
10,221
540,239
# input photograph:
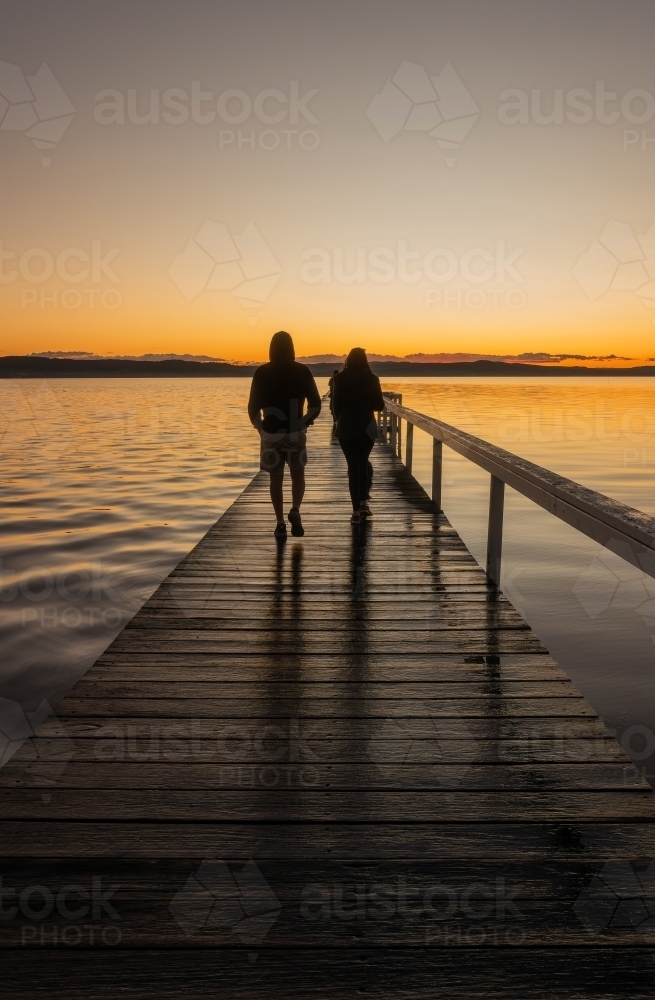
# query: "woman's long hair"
281,348
357,360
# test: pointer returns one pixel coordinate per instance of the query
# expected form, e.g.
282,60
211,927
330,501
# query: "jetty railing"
628,532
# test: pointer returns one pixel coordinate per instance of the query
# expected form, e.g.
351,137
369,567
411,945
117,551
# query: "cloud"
542,357
89,356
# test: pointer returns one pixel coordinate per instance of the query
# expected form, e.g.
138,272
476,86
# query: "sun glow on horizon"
276,192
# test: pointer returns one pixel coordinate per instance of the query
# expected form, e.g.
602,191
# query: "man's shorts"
276,449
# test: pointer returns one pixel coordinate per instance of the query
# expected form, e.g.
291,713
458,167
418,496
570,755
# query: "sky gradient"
348,222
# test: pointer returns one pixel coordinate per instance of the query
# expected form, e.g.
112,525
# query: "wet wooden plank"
222,612
182,669
275,748
480,841
367,690
146,921
379,770
482,641
334,708
299,731
282,803
509,973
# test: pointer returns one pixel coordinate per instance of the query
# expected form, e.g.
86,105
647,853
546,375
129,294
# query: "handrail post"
399,437
409,446
437,461
394,432
495,531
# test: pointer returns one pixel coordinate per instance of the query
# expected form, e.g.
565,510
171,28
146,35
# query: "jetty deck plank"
337,766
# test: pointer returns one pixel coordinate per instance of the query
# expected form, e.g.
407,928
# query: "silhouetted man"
278,395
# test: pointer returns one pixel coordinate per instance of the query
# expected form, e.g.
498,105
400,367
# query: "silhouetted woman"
357,395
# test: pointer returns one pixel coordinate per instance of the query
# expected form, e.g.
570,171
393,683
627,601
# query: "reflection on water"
107,483
595,612
597,431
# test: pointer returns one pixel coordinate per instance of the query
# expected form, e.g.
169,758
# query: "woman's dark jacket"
357,395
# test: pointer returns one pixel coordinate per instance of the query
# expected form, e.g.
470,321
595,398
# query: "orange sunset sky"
462,177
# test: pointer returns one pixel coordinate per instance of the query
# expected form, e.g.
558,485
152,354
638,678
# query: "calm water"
107,483
595,612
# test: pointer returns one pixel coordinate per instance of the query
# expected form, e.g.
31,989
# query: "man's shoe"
356,517
296,522
365,511
280,530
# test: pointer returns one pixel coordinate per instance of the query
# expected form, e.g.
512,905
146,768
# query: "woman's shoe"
365,511
280,530
356,517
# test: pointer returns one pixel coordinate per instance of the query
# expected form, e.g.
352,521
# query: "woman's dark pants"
360,470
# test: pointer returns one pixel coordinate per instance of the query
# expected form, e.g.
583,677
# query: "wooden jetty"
335,767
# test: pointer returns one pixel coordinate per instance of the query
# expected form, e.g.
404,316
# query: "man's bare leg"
297,486
297,493
277,495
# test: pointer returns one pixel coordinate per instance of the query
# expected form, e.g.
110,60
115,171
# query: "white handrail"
628,532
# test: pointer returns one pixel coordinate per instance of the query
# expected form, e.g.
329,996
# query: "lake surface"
107,483
594,612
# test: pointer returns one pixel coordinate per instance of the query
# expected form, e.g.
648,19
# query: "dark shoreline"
30,367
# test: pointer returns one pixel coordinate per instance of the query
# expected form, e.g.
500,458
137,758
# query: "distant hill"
42,367
526,358
389,369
